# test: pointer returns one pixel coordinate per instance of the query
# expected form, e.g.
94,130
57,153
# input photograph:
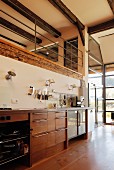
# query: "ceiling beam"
101,27
66,12
111,4
13,40
8,25
16,5
70,16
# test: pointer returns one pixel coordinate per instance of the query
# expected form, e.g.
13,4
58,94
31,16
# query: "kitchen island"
36,134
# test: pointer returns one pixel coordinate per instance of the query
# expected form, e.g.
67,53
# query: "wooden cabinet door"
39,116
60,123
60,114
51,115
39,142
51,121
39,145
39,126
60,136
51,125
51,139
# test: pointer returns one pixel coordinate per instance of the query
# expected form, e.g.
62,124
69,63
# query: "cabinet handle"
60,130
79,119
62,117
38,121
51,132
37,136
43,120
39,113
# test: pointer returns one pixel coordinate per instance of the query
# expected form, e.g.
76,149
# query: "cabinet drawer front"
10,117
60,136
39,142
60,114
60,123
50,139
51,125
51,115
38,116
39,126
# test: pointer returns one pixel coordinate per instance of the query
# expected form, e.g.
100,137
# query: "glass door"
72,124
99,105
96,101
81,122
109,91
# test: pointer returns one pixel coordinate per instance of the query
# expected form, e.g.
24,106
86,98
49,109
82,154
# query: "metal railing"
76,56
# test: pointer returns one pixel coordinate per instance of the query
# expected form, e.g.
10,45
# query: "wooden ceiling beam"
70,16
20,8
10,39
8,25
111,4
101,27
66,12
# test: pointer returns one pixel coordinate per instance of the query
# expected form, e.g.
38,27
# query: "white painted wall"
28,75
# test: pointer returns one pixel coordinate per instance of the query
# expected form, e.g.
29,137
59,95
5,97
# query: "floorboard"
97,153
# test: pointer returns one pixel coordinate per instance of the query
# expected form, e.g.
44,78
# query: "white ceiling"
88,11
106,41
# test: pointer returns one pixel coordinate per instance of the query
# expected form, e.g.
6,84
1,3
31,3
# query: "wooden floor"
94,154
97,153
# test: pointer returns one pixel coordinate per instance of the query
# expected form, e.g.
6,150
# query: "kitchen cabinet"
41,133
14,138
76,123
48,130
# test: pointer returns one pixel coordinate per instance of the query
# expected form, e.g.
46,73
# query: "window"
95,79
71,54
109,105
109,81
109,93
109,90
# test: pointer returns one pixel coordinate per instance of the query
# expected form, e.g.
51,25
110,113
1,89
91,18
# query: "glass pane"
109,93
72,124
110,81
96,80
92,98
94,49
109,105
100,105
110,73
99,93
100,116
108,117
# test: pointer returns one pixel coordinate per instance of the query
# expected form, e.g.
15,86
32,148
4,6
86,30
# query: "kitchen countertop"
71,108
45,109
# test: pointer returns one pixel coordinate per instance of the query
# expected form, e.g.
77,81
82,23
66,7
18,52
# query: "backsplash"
14,92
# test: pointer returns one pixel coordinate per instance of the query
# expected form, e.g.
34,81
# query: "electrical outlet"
14,101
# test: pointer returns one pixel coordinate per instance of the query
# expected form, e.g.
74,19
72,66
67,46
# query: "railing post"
35,36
